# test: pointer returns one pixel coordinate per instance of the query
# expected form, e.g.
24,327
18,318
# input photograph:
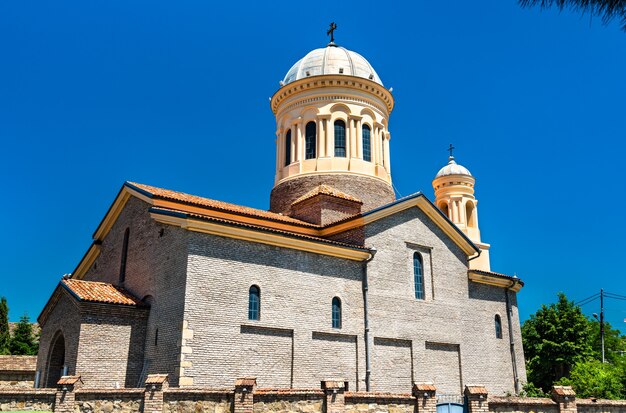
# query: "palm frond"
608,10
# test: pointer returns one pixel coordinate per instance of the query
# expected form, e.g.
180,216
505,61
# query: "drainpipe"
368,369
473,257
509,310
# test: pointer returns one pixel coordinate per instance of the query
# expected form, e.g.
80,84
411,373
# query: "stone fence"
245,397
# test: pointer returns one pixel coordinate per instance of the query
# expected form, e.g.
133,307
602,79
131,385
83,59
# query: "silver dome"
331,60
453,168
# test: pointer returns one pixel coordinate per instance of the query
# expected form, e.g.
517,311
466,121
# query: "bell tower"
454,196
332,116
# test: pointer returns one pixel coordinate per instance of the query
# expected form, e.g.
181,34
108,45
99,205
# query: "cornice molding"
326,81
495,280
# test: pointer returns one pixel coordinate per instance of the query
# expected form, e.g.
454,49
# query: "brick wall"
451,332
64,319
155,270
17,371
293,343
111,347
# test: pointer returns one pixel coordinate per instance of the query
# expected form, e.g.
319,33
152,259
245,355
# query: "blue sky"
175,94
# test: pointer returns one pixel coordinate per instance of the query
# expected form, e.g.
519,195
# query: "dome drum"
332,114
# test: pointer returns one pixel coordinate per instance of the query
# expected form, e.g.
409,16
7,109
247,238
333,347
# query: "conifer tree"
5,337
23,342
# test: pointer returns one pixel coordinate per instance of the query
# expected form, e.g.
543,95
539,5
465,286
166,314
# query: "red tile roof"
326,190
213,204
99,292
69,380
269,229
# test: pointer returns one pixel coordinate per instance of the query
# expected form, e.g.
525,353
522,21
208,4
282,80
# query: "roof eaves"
286,219
185,215
410,197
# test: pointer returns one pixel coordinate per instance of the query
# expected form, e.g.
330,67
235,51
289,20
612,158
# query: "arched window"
469,214
288,148
254,303
367,144
418,275
336,312
444,208
124,256
498,323
310,140
340,138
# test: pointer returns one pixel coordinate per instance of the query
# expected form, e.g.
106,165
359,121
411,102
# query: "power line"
588,299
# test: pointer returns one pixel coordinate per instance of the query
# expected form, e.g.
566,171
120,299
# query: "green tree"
23,342
555,338
592,378
614,343
5,336
606,9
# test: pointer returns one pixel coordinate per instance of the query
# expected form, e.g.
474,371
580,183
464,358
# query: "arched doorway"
56,360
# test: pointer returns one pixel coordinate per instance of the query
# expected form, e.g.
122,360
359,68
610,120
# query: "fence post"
477,399
244,394
425,397
153,393
65,397
565,397
334,400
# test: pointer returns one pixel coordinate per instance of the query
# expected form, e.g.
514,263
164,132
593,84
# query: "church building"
338,280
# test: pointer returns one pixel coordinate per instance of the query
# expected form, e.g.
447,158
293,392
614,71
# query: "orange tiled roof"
326,190
270,229
99,292
213,204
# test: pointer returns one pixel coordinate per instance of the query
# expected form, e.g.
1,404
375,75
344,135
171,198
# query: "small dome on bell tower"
454,196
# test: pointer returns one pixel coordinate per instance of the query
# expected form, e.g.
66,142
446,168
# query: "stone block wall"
357,402
288,400
17,371
27,399
109,401
198,400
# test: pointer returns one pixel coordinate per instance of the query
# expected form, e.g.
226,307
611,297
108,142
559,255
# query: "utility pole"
602,321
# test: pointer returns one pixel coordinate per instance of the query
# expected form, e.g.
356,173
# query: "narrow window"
288,148
156,337
498,327
340,138
367,144
336,312
310,140
382,148
254,303
124,256
418,275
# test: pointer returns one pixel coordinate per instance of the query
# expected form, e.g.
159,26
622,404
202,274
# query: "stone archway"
56,360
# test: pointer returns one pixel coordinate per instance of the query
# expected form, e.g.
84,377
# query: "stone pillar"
321,138
565,397
292,156
477,399
359,138
300,141
425,397
387,154
334,400
153,395
66,394
244,394
330,136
